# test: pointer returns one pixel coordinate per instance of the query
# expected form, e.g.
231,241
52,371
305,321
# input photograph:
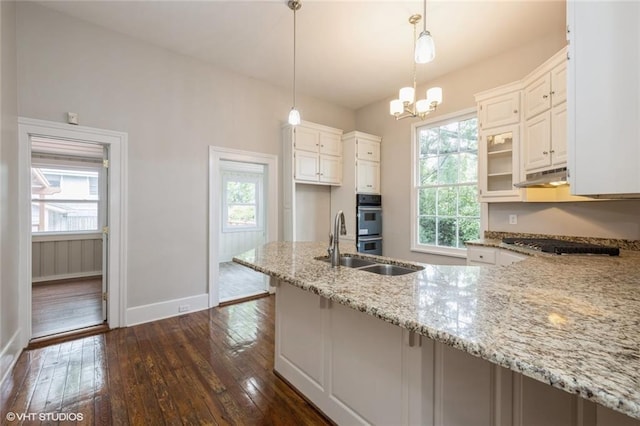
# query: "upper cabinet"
545,114
604,98
317,153
499,143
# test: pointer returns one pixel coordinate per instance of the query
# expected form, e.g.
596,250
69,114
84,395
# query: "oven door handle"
368,239
363,208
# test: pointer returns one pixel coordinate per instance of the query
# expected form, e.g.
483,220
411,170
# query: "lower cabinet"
482,256
358,369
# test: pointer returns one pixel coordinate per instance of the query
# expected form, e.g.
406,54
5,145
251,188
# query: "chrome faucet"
339,228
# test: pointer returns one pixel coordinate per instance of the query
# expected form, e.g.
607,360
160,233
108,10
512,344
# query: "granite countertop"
569,321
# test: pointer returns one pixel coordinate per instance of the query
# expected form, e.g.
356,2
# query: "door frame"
216,155
116,207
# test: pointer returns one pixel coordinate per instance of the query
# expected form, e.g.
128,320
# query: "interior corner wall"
10,339
173,108
459,89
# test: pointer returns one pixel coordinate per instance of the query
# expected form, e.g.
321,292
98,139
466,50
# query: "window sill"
442,251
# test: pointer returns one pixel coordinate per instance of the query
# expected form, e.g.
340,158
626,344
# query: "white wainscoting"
236,242
56,257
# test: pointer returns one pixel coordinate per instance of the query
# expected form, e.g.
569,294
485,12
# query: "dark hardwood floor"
208,367
62,306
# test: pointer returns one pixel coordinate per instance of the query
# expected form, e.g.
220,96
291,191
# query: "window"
446,209
64,199
242,201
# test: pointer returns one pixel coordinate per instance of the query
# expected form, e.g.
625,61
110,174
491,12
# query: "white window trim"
422,248
257,180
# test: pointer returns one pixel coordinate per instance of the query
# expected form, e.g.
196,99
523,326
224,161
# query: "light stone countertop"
569,321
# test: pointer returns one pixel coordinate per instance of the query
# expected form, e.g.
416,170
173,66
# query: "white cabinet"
482,256
311,166
604,98
544,137
317,154
499,144
361,159
499,107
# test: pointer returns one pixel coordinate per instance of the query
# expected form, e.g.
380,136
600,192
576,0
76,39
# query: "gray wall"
9,319
459,89
173,107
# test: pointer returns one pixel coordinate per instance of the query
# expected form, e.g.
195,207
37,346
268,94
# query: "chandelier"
406,105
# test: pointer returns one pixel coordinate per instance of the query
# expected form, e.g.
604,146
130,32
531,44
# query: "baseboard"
170,308
9,356
66,276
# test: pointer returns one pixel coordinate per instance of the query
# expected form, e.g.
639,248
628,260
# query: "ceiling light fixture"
294,114
425,49
405,106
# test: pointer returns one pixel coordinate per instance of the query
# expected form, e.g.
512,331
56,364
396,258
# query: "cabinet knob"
545,152
545,96
553,93
481,256
370,153
515,111
552,151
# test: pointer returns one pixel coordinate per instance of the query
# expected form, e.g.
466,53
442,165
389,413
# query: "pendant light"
294,114
425,48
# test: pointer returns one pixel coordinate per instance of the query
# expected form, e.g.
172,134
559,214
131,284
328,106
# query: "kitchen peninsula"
370,348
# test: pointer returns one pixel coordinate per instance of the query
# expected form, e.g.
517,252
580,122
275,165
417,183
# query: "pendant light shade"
294,114
294,117
425,48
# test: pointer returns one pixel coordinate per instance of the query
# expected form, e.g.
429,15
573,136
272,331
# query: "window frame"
78,164
462,115
248,177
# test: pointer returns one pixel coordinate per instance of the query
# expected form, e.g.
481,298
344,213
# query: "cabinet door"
537,142
559,84
367,150
559,135
306,166
330,169
500,111
537,97
367,177
499,164
330,144
306,139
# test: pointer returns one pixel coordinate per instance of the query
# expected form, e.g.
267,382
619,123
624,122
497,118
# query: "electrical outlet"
513,219
72,117
184,308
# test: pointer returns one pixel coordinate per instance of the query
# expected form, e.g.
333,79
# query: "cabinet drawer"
367,150
481,255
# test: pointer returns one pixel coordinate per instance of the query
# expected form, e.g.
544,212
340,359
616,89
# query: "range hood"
546,179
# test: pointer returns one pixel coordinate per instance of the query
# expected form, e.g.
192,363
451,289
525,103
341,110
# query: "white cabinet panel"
537,142
559,135
306,166
499,110
537,96
306,139
532,396
484,255
368,177
331,144
367,150
559,83
330,169
366,365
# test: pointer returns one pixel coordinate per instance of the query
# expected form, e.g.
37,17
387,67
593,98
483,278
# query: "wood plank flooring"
208,367
59,307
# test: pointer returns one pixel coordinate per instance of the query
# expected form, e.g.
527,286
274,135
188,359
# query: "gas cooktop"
550,245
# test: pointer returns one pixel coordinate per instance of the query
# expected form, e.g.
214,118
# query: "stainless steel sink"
350,262
373,266
386,269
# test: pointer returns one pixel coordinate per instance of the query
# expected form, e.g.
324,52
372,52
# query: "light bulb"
407,95
434,95
395,107
422,106
425,48
294,117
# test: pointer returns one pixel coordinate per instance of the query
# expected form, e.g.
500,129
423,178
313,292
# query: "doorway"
89,228
69,242
242,216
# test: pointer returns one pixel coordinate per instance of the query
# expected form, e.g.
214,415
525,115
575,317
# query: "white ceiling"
350,52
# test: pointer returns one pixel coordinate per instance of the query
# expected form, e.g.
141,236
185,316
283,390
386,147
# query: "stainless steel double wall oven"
369,223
